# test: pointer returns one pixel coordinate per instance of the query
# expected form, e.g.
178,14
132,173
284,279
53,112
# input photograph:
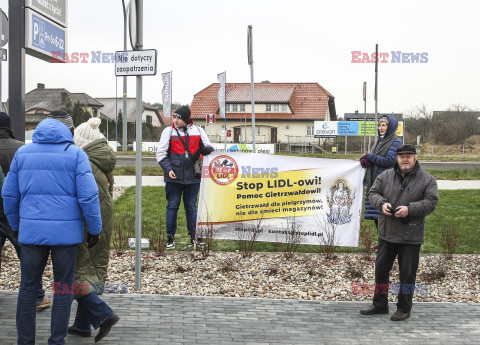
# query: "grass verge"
458,208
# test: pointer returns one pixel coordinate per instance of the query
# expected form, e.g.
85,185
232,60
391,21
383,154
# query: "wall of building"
287,131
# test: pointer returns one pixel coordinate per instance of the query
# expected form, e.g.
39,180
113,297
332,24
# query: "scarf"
380,148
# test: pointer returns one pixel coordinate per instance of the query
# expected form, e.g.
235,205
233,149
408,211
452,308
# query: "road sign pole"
16,68
124,111
138,185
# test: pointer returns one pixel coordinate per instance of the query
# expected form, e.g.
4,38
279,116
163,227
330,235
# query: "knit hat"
87,132
5,120
184,113
405,149
63,117
383,119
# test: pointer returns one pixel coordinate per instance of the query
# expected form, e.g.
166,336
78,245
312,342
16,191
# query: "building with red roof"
284,112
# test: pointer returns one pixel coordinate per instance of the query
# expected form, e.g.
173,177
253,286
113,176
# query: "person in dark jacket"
179,147
8,147
380,159
47,194
405,195
92,262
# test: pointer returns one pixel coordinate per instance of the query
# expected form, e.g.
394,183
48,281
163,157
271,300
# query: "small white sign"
145,242
136,62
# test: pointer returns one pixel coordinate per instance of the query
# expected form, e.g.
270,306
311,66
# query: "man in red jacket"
179,147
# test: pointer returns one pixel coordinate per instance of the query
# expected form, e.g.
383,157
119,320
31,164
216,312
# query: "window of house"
149,119
234,107
284,107
227,107
309,130
258,130
242,107
287,128
276,107
268,107
94,112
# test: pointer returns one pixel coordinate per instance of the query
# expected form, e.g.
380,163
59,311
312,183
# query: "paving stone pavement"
159,319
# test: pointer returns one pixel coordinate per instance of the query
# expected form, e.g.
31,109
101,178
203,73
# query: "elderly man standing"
405,195
47,194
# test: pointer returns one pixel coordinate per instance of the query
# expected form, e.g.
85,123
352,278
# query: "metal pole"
225,98
124,111
376,87
365,117
138,155
345,145
16,67
250,58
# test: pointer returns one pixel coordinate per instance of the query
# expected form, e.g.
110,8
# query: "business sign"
55,10
44,39
136,62
280,199
331,129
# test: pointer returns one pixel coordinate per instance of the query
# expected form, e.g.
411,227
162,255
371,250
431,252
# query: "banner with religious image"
285,199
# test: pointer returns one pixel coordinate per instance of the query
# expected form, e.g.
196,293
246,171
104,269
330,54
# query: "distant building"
40,102
150,114
284,112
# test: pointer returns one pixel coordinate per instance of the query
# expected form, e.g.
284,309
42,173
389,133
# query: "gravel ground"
347,277
269,275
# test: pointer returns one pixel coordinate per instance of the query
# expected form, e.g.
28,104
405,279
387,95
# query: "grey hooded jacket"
417,190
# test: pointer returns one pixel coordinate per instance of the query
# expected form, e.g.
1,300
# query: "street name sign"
55,10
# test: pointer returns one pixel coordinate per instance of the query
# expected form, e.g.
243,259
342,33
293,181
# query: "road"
428,165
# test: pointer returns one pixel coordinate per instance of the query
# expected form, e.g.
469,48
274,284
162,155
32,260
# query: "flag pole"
250,62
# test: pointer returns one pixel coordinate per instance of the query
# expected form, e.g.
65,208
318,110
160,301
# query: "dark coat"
92,264
383,163
8,147
420,195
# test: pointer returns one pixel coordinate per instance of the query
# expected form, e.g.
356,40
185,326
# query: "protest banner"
245,196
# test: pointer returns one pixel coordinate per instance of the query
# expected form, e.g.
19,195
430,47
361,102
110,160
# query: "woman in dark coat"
382,157
92,263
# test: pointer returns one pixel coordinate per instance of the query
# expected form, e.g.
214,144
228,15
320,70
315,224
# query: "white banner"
221,77
280,199
147,146
260,148
167,101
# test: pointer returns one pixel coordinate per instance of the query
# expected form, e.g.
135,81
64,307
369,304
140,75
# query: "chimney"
64,100
40,86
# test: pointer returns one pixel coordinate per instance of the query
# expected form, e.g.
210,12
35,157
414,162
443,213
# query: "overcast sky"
294,41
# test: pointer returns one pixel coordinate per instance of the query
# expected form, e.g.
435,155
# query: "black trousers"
408,256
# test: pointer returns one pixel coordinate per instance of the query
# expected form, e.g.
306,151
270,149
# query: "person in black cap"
405,195
8,148
179,148
63,117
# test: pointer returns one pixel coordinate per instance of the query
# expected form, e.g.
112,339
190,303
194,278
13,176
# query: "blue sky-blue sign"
44,38
347,128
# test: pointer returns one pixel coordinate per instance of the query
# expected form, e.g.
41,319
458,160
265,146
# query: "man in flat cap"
405,195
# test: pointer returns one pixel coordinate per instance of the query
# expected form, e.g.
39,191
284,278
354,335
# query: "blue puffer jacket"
50,189
383,163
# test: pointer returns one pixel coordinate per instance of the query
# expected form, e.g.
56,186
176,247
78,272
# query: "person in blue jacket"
47,195
382,157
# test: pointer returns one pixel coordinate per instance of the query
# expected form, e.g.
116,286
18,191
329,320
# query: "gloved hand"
364,162
206,150
92,240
